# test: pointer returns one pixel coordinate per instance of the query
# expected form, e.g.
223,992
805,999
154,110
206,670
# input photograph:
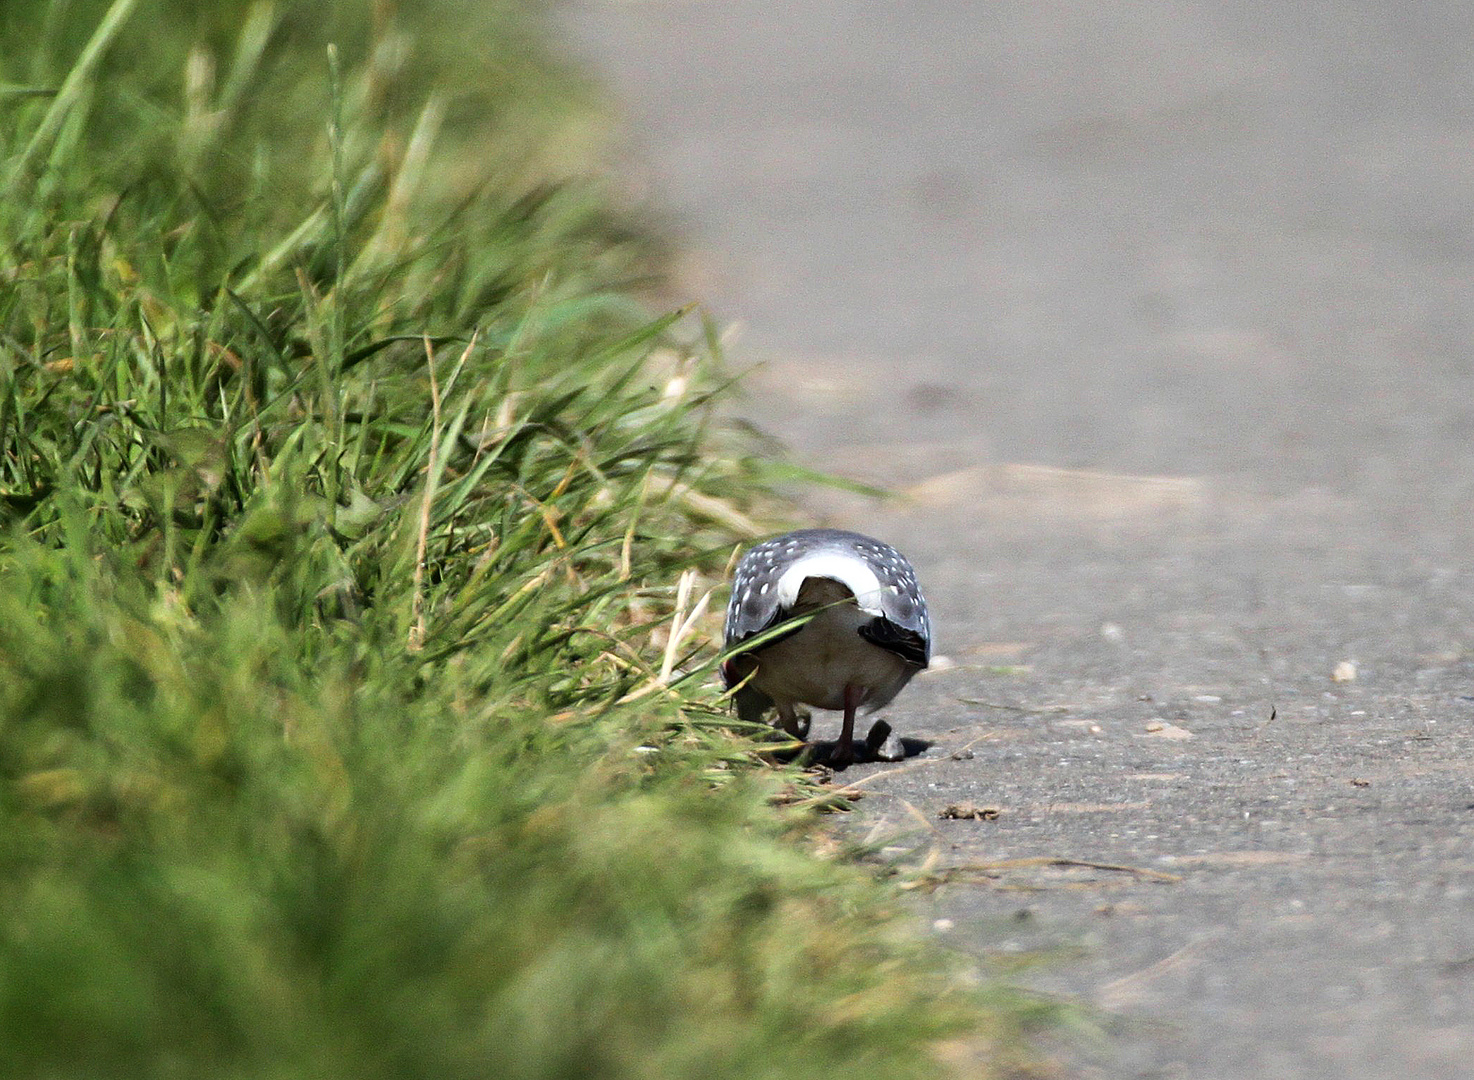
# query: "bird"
868,634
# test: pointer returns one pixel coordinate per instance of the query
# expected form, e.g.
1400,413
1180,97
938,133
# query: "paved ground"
1162,314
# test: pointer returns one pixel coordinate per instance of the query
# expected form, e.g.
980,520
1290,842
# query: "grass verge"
345,492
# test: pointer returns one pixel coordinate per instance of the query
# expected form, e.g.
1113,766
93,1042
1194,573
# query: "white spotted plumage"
769,576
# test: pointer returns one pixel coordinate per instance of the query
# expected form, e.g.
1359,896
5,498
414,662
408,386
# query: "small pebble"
891,750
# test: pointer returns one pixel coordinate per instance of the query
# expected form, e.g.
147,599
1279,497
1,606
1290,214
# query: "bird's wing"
754,606
909,645
769,577
902,624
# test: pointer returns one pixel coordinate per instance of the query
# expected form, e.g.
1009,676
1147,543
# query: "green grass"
345,487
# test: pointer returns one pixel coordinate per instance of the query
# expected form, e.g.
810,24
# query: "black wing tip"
910,646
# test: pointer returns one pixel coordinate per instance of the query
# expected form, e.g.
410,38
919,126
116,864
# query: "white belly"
814,666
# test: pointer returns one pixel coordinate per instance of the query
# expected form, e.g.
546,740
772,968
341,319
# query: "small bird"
870,631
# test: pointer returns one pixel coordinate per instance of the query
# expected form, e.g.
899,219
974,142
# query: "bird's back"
770,578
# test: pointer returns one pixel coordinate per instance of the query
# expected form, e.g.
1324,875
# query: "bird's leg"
789,721
844,749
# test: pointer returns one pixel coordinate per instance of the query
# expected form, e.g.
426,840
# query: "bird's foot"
842,755
795,723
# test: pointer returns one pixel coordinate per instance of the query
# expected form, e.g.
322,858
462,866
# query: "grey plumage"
754,608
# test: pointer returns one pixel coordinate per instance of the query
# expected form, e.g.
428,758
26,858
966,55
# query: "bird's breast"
815,665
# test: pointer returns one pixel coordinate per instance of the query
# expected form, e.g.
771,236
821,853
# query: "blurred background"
1159,314
1163,238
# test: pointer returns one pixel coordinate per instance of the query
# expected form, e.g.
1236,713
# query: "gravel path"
1162,314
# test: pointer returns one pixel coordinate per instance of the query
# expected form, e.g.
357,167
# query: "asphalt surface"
1161,317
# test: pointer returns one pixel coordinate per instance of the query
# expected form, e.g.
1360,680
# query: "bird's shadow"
877,746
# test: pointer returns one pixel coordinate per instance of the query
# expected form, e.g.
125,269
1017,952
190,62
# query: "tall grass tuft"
345,490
